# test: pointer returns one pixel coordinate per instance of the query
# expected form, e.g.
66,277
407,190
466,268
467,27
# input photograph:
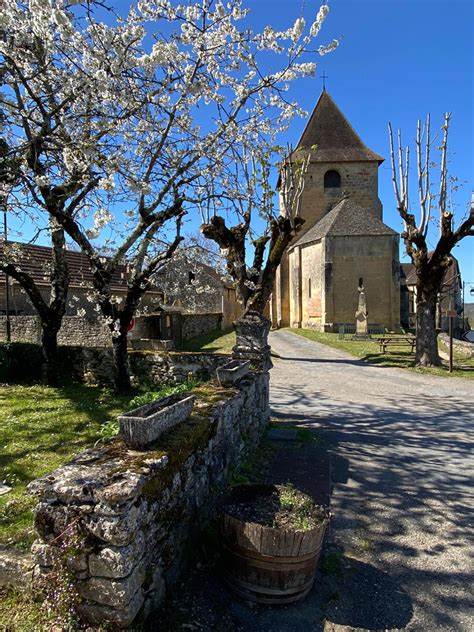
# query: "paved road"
400,550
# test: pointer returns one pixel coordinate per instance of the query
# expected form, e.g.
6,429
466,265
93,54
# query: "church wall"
283,293
313,283
372,259
295,305
360,180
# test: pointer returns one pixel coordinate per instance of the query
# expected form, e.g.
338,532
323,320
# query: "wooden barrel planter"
265,564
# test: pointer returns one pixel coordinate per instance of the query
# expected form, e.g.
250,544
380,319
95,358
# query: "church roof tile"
333,136
344,219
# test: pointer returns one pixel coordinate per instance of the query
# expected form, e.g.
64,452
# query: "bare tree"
254,283
430,264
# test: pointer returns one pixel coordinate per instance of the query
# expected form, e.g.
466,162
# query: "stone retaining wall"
76,330
137,513
198,324
462,347
95,364
170,367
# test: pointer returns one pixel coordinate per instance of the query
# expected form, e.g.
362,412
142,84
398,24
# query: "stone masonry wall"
462,347
136,513
95,365
199,324
75,330
170,367
22,328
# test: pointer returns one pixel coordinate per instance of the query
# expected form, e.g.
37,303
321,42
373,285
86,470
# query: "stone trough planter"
232,372
143,425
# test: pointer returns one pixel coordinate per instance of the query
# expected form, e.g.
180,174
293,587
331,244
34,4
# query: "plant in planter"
230,373
272,539
145,424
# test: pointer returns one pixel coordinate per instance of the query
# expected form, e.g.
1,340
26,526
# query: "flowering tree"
65,121
54,137
141,119
430,265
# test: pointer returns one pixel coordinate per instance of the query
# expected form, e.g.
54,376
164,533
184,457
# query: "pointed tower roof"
332,134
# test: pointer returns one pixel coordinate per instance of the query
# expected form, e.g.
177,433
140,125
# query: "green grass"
41,428
368,351
212,342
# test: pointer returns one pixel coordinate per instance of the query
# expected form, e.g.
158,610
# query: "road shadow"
402,481
346,592
358,595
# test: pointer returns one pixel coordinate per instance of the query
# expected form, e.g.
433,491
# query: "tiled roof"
345,218
407,274
332,134
451,275
35,260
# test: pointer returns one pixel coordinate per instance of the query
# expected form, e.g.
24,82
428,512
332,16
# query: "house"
450,297
187,299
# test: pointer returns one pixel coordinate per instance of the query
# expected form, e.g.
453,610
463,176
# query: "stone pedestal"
252,331
361,315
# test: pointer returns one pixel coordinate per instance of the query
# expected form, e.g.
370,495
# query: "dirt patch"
276,506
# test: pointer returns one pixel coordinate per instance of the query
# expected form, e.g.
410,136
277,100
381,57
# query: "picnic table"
396,341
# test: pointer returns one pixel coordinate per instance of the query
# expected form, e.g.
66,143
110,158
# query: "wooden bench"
396,341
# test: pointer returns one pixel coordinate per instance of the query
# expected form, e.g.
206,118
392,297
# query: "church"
343,240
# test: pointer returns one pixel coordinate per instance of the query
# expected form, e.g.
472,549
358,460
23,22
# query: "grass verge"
213,342
41,429
400,357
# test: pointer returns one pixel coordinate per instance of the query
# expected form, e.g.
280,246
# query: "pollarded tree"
254,283
430,264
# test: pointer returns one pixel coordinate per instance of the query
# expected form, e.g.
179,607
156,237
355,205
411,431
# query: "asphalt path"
400,551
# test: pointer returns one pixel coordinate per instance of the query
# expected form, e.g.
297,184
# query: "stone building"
343,238
201,301
196,287
450,298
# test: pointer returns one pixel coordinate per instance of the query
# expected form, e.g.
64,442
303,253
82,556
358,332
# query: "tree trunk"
121,363
49,342
426,337
252,340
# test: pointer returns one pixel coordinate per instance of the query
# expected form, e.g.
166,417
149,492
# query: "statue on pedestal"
361,313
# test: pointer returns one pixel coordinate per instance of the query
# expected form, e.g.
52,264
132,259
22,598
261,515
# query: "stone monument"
361,313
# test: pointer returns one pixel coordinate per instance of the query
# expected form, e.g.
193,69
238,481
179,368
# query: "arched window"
332,180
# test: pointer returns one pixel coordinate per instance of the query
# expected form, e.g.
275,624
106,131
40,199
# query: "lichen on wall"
136,512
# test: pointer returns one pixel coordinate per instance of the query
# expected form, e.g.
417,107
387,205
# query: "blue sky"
397,61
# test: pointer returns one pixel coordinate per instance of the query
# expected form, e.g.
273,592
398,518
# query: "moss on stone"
189,437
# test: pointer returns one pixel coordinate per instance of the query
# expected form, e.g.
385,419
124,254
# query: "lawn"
368,351
212,342
40,429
